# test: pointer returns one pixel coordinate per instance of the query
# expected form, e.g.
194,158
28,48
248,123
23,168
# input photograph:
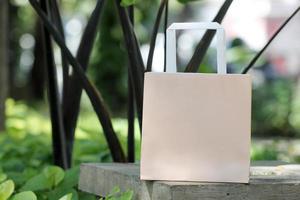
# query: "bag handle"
171,65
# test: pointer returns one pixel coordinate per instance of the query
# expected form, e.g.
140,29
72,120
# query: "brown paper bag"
196,127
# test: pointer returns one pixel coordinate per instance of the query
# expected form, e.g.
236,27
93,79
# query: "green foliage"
26,145
115,191
6,189
186,1
48,179
52,183
21,21
3,177
37,183
28,195
54,175
116,194
128,2
128,195
67,197
264,153
25,154
275,149
272,105
68,184
25,151
109,73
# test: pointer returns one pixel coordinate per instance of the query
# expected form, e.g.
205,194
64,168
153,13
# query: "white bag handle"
171,65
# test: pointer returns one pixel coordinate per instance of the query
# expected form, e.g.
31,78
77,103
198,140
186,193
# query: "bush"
26,155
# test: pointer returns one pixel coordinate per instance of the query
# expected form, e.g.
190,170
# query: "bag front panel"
196,127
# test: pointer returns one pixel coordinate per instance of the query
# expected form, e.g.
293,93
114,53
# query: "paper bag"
196,127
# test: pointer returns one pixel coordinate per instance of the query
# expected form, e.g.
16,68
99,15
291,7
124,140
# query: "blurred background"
248,24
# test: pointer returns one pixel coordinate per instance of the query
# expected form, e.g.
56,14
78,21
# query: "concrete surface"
268,181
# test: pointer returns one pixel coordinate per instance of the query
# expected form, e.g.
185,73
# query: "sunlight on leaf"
6,189
186,1
67,197
116,194
28,195
54,175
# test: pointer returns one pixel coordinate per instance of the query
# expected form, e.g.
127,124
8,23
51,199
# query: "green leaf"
28,195
114,192
49,178
186,1
6,189
67,185
128,195
67,197
3,177
54,175
127,2
63,194
36,183
70,179
85,196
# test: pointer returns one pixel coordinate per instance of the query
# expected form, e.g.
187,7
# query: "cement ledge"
268,181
